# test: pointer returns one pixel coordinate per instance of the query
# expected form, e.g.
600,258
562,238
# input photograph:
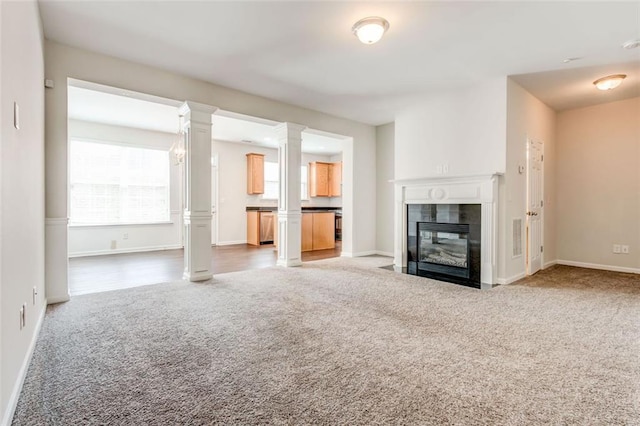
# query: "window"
271,190
271,179
117,184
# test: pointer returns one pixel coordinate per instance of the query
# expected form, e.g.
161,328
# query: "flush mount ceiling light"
370,30
609,82
631,44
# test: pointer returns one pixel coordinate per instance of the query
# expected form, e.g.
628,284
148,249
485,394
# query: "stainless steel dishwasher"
267,226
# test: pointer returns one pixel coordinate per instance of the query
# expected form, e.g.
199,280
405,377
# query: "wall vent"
517,237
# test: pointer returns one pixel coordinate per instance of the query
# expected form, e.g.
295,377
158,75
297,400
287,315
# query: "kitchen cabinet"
317,231
255,173
335,179
260,227
323,230
325,179
307,232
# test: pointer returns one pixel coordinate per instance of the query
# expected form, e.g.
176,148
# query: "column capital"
196,112
286,130
188,106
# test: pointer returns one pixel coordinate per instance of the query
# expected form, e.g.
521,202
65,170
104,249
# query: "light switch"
16,115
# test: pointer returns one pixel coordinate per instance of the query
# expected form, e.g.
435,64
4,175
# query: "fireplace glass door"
444,247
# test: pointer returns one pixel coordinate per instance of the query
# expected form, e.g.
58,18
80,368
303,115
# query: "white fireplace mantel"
476,189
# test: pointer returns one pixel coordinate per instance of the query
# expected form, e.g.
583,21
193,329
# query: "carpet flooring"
342,341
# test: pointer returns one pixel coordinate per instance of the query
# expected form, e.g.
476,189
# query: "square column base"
289,238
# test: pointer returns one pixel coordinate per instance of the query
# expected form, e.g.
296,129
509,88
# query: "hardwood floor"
94,274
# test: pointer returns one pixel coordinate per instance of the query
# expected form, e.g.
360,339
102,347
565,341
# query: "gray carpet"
342,342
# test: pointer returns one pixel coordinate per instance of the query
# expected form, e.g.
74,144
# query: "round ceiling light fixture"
370,30
631,44
609,82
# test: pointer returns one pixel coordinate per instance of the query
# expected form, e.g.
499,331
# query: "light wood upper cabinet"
335,180
325,179
255,173
318,179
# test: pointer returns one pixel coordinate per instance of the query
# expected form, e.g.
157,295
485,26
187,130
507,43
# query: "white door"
214,200
534,206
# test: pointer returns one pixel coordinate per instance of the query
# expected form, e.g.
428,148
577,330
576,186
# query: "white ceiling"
102,104
304,53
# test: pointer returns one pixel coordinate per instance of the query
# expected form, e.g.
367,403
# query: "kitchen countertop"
304,209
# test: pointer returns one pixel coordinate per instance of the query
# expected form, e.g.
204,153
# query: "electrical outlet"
445,169
114,244
624,249
439,169
35,295
616,248
125,236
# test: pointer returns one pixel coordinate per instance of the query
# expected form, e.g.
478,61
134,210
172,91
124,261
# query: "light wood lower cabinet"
318,231
253,228
307,231
324,231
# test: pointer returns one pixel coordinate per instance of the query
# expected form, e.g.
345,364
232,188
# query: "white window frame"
304,185
167,212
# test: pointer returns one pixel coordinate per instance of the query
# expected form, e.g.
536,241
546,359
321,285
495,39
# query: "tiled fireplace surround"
480,189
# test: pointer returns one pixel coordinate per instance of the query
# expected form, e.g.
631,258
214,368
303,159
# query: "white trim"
384,253
103,225
475,189
54,300
22,374
56,221
358,254
231,243
124,250
549,264
599,266
512,279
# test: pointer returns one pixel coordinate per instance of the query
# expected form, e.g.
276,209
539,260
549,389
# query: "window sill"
107,225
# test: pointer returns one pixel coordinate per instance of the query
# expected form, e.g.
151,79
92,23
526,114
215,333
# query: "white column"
197,187
289,211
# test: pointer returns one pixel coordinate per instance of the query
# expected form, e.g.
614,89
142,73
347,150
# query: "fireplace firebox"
443,242
444,248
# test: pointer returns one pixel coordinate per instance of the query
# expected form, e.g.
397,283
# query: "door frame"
214,202
528,142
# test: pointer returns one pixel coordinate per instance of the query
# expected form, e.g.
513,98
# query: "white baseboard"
384,253
124,250
550,264
512,279
52,300
358,254
231,243
599,266
22,374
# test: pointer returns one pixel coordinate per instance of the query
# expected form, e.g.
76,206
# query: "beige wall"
63,62
384,189
22,193
232,188
598,184
527,118
463,129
